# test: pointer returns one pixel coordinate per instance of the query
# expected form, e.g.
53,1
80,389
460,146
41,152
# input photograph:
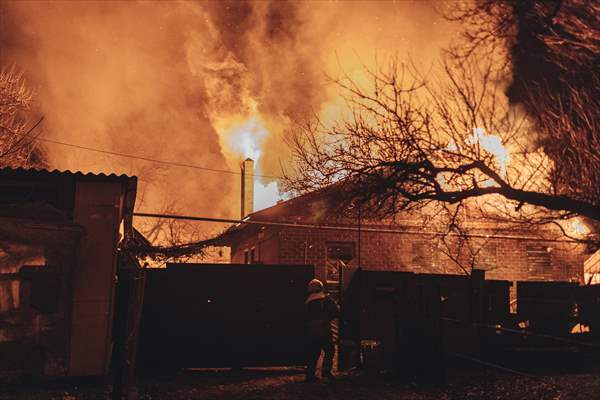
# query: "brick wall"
502,258
264,241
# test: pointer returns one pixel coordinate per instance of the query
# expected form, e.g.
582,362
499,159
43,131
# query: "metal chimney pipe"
247,187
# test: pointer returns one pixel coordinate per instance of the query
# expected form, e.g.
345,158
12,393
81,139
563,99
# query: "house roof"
317,208
320,209
306,208
312,207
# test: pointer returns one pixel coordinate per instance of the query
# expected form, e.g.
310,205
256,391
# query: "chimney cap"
248,159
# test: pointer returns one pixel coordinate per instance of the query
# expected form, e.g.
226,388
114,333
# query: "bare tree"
413,144
552,50
411,141
17,145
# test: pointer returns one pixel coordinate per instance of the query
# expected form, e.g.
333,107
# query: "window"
339,254
15,259
250,256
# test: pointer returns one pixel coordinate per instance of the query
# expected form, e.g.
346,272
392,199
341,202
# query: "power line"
177,164
18,144
184,165
341,227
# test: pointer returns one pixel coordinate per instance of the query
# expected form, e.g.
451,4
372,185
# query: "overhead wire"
149,159
216,170
397,230
17,145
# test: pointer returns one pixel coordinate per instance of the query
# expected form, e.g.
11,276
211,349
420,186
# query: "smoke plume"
204,83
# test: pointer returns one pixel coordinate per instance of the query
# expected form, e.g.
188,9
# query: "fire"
244,138
578,227
193,68
493,145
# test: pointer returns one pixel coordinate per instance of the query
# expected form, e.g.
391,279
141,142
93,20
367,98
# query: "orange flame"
493,145
243,137
578,227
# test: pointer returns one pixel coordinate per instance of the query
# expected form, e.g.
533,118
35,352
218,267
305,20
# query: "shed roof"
64,183
42,174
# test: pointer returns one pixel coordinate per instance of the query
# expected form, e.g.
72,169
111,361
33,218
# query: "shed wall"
97,209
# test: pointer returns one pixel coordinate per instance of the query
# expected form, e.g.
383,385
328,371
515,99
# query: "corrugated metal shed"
39,206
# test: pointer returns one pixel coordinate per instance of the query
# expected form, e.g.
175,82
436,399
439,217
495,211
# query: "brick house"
302,231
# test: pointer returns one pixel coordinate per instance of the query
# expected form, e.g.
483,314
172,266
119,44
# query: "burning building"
305,230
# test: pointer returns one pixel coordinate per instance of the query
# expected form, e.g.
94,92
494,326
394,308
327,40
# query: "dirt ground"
288,384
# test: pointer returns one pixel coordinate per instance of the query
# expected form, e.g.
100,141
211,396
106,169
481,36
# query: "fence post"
479,317
128,309
119,336
437,337
477,295
429,338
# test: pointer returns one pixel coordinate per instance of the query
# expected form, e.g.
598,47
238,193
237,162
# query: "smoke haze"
205,83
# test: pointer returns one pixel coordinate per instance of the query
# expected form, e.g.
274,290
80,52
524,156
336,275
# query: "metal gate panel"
220,315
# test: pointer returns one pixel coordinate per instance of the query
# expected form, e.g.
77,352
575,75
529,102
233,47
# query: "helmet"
315,286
